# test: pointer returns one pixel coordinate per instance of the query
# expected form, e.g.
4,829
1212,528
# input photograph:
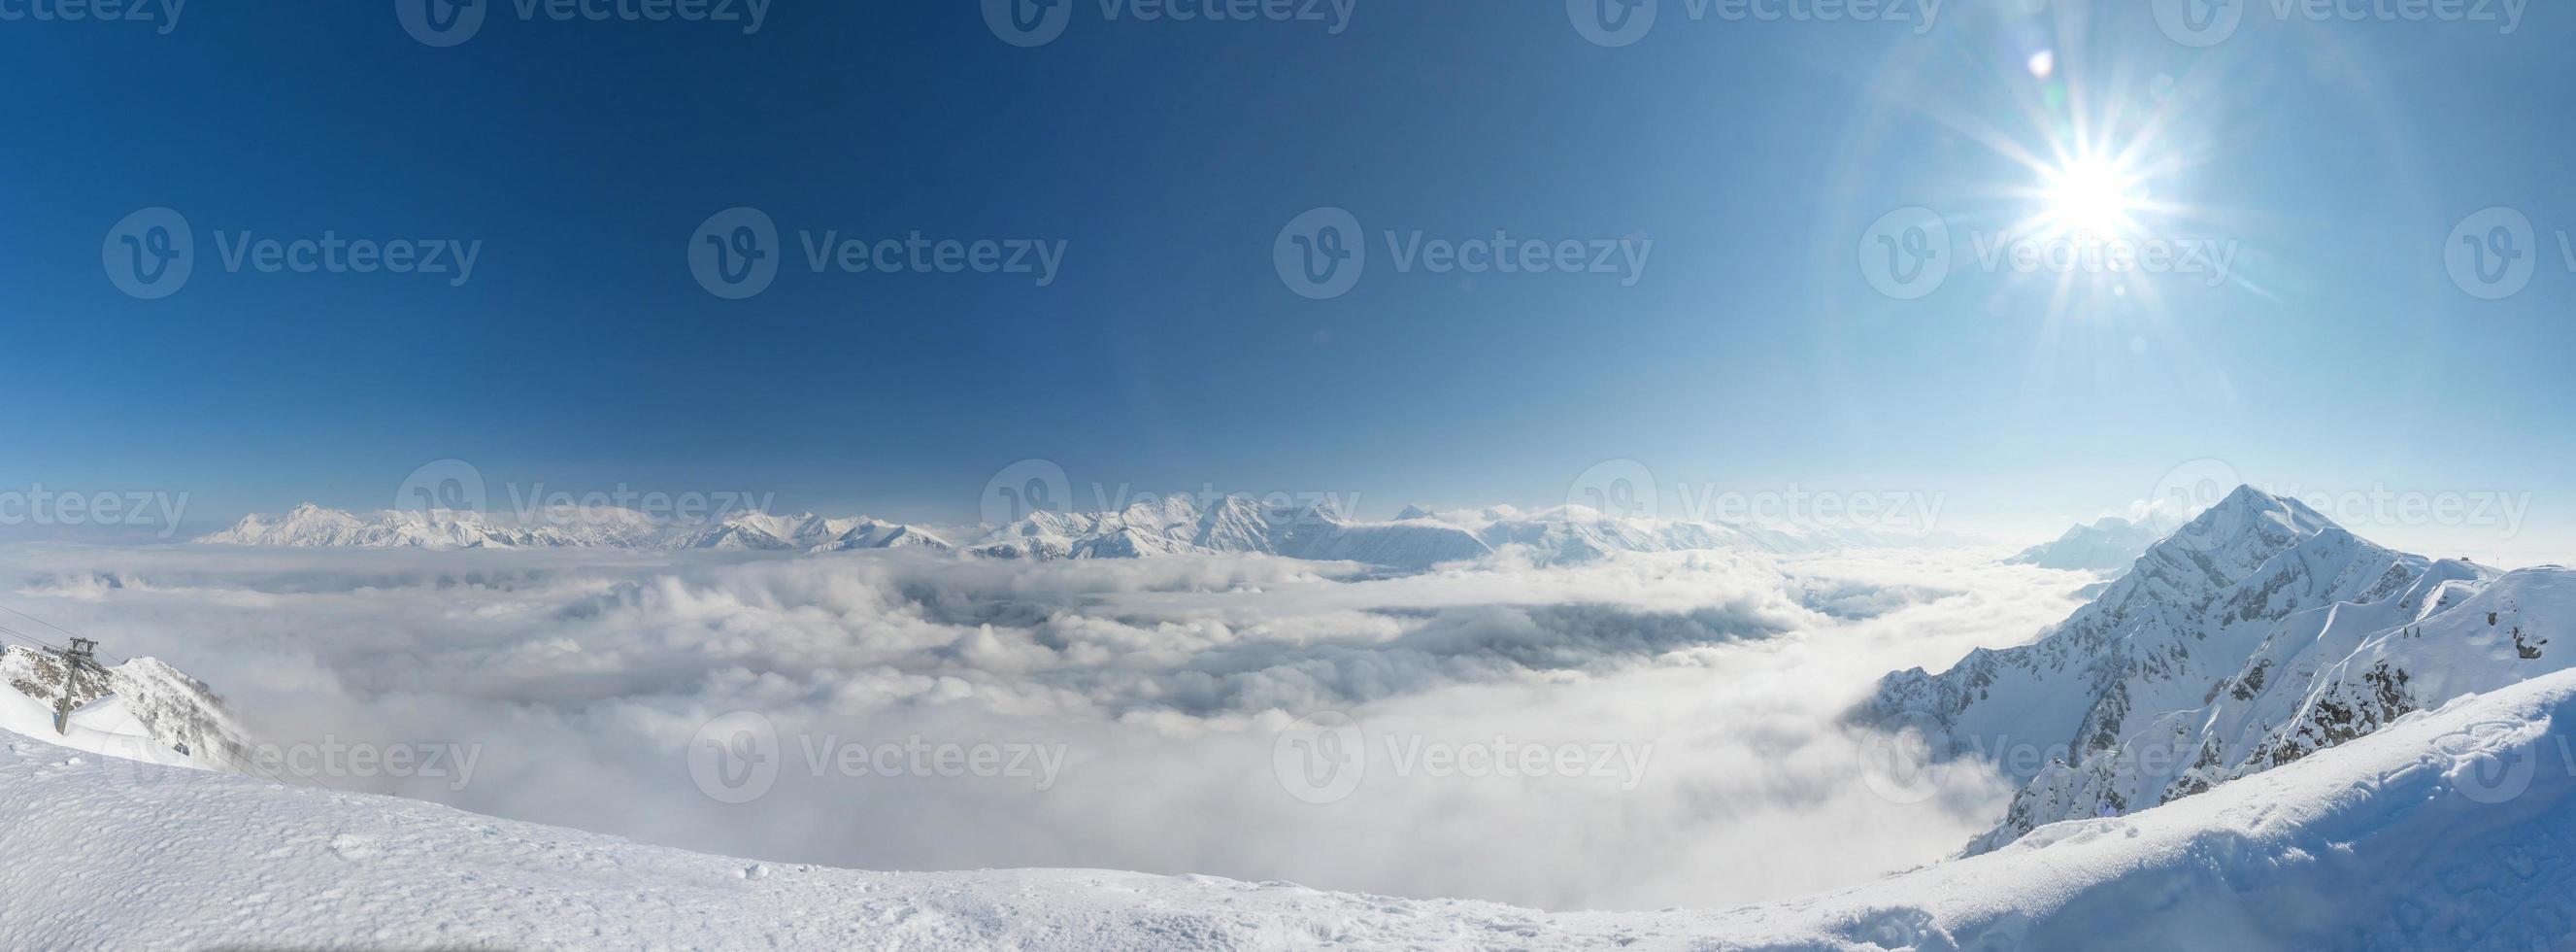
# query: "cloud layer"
1711,684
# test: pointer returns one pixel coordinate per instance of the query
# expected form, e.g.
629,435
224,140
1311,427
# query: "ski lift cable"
40,621
31,641
23,636
111,657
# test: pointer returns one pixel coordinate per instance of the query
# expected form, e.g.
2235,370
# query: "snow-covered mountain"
2110,544
311,526
140,710
873,534
1180,524
800,533
2448,830
2257,635
1417,538
1174,525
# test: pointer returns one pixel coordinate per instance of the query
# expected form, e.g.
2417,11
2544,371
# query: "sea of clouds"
1159,715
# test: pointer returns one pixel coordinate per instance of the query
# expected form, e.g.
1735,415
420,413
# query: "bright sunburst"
2090,196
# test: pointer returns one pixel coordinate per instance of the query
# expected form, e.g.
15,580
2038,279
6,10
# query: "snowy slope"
2259,634
2454,830
2189,614
2323,677
2110,544
311,526
143,710
2450,830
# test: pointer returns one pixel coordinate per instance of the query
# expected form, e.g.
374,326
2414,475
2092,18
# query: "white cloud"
586,676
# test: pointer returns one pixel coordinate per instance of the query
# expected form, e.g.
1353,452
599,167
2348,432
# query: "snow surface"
2450,829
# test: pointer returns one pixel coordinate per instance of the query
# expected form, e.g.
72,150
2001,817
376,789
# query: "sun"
2087,195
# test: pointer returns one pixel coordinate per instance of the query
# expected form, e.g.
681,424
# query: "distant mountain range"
2110,544
311,526
2258,634
1174,525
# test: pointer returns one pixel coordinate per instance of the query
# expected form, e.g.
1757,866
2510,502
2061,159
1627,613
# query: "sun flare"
2090,196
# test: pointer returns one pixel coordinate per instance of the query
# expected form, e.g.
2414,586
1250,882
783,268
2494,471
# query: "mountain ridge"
142,709
2257,634
312,526
2108,544
1177,524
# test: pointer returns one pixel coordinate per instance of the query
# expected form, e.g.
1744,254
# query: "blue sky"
2334,158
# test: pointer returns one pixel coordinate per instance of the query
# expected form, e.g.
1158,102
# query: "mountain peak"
2250,519
2246,498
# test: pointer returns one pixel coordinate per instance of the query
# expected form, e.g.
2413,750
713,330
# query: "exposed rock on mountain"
2257,635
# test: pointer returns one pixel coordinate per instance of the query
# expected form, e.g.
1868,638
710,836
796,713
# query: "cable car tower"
81,656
